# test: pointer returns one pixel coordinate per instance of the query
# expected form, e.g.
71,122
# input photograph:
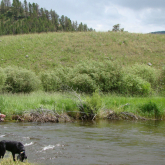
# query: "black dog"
14,147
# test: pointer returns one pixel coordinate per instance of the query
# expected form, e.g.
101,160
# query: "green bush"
151,108
109,76
54,80
2,79
146,72
91,105
94,102
133,85
50,81
83,83
20,80
105,76
162,80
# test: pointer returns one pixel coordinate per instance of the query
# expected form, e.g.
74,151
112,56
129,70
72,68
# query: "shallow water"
90,143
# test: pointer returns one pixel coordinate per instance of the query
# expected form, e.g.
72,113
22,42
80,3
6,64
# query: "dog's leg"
2,153
2,150
13,156
19,157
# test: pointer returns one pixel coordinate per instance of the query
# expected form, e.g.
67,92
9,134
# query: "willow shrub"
105,76
83,83
162,80
54,80
133,85
50,81
89,76
2,78
146,72
20,80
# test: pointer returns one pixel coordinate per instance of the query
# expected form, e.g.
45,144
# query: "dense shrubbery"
93,103
54,80
162,80
50,81
83,82
110,77
20,80
146,72
151,109
134,85
2,78
85,77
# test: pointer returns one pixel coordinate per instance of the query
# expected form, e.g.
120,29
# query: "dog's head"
22,156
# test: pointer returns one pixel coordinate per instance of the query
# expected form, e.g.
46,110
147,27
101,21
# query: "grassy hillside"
45,51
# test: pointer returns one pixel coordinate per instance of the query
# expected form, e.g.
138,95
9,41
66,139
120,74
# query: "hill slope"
47,50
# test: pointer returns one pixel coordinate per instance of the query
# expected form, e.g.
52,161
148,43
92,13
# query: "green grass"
18,103
134,104
45,51
9,161
64,102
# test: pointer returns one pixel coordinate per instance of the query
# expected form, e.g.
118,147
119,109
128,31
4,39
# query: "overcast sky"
140,16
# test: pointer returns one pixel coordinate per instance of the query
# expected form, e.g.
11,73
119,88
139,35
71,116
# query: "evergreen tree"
54,18
2,7
16,8
7,4
85,27
81,27
30,9
62,22
26,8
67,24
20,18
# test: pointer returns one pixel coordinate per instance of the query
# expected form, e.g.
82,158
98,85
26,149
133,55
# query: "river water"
90,143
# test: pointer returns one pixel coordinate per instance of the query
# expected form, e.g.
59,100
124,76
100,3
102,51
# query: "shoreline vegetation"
70,106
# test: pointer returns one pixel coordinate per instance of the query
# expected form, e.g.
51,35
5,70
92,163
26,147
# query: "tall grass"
136,105
18,103
68,102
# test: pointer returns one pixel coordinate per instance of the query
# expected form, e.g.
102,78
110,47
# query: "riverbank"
9,161
70,106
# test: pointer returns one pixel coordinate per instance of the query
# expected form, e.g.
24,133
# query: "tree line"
21,18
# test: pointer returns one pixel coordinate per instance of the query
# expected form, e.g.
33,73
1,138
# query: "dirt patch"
42,116
123,116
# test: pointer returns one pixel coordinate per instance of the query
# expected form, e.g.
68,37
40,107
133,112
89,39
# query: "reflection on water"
89,143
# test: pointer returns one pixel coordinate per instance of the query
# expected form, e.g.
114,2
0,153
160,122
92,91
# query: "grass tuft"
9,161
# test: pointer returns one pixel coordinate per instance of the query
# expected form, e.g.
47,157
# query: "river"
90,143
